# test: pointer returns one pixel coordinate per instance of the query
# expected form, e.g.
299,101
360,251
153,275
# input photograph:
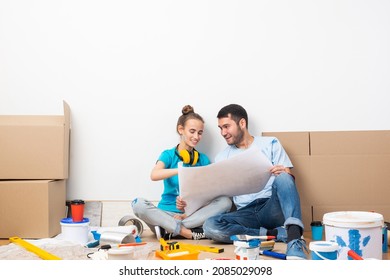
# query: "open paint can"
247,249
323,250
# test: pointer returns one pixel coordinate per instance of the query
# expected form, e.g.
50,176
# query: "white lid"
323,246
350,219
75,225
120,251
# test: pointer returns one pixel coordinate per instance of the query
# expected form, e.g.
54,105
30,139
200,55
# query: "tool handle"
34,249
273,254
131,244
354,255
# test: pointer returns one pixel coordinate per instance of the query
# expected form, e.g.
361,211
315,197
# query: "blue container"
316,230
384,238
323,250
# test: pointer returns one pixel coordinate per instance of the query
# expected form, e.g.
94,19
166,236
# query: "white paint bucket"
75,231
355,230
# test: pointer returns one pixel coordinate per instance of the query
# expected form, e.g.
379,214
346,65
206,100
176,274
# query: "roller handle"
273,254
354,255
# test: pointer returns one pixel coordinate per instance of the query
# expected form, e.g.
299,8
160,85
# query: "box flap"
66,116
30,120
375,142
66,139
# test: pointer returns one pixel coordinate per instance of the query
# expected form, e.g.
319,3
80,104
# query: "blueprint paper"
244,173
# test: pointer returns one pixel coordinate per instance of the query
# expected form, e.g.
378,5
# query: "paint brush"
250,237
273,254
267,245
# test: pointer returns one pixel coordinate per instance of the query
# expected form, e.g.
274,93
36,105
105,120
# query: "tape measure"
130,220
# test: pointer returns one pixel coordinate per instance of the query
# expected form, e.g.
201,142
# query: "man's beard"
238,138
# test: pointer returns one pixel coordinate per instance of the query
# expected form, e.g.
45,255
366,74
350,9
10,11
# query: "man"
273,211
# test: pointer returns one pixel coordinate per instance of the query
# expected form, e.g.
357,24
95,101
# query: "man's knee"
225,202
209,225
284,179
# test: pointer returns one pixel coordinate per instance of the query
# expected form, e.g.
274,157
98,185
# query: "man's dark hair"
235,112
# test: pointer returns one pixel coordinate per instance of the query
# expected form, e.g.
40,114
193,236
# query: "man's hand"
277,169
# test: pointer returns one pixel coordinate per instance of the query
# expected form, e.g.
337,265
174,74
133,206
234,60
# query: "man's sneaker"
281,237
296,250
198,233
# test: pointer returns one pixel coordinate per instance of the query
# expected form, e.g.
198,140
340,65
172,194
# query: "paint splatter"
366,240
354,241
340,241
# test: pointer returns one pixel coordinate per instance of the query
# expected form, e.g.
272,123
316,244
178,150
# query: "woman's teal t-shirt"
171,184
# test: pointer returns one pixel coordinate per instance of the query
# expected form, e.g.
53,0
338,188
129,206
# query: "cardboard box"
342,171
35,147
32,209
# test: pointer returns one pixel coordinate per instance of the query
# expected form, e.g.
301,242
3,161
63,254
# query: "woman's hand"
180,204
180,216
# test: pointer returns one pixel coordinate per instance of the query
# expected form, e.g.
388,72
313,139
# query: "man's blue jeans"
281,209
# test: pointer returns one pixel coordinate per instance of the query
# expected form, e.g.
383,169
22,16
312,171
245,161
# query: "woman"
168,219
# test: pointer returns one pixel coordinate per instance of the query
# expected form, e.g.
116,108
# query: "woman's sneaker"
198,234
162,233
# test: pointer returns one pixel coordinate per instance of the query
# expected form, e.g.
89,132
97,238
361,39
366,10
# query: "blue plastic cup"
316,230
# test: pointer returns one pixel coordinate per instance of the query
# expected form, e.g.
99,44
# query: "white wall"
126,68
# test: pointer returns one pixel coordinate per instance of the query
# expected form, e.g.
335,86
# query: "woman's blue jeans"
281,209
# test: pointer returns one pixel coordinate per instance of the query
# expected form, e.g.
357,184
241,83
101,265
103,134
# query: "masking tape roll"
112,237
134,221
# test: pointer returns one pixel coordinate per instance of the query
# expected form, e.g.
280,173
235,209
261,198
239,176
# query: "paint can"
247,250
323,250
355,230
77,232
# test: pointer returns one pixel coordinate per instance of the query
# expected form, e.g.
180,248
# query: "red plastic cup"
77,210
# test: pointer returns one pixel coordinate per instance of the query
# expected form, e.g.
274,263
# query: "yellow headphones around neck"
188,157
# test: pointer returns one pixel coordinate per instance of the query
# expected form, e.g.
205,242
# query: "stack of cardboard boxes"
34,166
339,170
